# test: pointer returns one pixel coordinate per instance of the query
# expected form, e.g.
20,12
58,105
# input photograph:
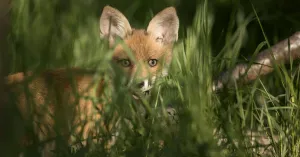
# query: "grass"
68,36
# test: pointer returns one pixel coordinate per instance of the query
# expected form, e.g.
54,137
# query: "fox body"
48,100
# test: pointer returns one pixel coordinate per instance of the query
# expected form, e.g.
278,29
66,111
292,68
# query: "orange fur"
54,102
53,95
144,48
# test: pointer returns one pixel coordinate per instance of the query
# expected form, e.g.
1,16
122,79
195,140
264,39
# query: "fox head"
150,50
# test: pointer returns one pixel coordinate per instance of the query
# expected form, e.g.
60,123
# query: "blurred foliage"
214,36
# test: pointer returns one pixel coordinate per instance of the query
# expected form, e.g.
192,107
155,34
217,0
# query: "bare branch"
281,52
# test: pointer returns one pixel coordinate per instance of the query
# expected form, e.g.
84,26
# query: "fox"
152,51
51,91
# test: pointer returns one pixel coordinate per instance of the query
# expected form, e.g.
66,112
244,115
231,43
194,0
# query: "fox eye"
125,62
152,62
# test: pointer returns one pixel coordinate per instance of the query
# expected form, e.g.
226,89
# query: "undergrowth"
54,34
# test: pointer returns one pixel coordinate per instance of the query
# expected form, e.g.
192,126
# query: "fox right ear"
113,23
164,26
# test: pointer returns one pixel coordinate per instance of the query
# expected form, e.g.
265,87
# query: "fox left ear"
164,26
113,23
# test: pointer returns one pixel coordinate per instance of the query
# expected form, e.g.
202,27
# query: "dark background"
279,19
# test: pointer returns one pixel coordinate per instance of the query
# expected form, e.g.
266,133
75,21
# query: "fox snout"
142,77
144,86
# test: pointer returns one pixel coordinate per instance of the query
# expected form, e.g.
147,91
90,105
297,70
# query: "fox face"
151,48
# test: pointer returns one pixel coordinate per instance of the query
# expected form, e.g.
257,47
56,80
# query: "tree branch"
264,63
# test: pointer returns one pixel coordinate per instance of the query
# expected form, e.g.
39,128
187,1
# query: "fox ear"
113,23
164,26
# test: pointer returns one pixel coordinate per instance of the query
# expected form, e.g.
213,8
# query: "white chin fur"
146,86
149,82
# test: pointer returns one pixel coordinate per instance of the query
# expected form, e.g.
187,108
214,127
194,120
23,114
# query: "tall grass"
52,34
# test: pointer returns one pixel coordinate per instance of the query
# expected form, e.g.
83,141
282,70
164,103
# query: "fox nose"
141,84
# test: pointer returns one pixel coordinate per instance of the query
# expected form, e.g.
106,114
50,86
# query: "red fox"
50,94
53,94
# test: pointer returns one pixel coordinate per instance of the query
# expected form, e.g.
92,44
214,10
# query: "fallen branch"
282,52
